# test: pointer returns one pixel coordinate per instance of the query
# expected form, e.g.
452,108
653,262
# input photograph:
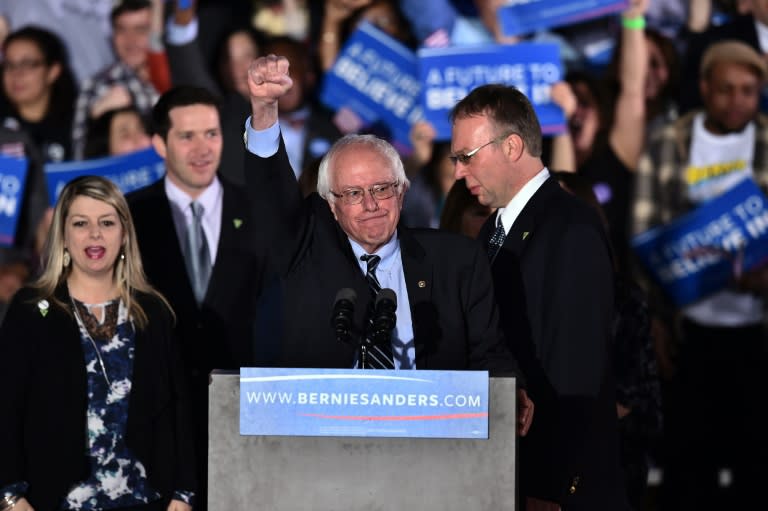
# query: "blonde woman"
94,411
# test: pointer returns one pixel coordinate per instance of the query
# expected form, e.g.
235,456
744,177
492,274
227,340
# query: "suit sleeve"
575,353
276,198
184,473
488,350
16,346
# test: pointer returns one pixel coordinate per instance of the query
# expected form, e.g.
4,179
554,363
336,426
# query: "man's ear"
159,144
514,146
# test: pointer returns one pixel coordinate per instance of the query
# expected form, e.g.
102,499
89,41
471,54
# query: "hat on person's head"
733,52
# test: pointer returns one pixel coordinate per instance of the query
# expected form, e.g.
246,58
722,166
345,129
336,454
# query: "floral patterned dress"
117,478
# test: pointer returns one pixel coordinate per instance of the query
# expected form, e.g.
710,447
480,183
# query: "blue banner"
526,16
364,403
13,177
376,77
449,74
703,251
129,172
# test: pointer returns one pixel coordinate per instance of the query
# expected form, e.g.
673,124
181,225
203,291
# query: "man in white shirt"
209,263
553,279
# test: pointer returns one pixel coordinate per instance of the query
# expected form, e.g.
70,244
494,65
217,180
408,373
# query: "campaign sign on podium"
526,16
364,403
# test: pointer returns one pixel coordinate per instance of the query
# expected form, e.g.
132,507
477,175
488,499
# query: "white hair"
379,145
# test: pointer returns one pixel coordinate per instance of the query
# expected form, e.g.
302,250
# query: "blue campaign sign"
376,77
13,177
449,74
702,251
364,403
129,172
526,16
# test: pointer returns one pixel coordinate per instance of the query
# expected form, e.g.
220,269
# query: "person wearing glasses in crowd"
446,317
38,93
94,405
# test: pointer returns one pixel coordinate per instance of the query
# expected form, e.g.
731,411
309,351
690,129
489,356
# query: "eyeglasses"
24,66
381,191
465,158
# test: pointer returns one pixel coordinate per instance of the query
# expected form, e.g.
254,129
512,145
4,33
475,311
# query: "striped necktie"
378,356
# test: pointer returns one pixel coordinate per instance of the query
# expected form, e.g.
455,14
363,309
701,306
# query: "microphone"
343,314
384,317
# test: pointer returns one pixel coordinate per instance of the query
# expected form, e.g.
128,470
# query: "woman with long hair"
94,416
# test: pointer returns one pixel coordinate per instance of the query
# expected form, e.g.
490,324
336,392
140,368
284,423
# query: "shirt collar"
208,199
508,214
387,252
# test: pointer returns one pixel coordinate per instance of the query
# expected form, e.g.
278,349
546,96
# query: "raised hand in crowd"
422,137
563,151
335,13
116,96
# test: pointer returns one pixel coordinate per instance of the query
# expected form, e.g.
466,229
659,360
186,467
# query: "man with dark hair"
127,81
199,244
547,250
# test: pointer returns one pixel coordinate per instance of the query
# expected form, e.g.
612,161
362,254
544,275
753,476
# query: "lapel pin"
422,284
525,234
237,222
43,306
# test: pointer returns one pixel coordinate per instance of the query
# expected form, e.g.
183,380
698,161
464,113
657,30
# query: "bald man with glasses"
446,316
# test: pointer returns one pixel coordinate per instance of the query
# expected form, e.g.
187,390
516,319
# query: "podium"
293,473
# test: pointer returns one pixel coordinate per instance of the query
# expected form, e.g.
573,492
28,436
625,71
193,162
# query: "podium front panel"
291,473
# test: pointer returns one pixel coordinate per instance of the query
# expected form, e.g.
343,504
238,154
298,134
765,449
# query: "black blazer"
217,334
455,319
44,400
554,286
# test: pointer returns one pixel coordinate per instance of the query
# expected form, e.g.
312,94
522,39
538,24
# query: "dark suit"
44,400
217,334
553,281
455,319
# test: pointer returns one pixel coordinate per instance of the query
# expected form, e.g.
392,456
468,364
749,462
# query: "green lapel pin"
43,305
525,234
237,222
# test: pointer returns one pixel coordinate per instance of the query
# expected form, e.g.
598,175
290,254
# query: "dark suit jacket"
217,334
553,281
44,399
455,319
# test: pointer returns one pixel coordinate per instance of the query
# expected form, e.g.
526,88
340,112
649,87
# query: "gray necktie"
196,256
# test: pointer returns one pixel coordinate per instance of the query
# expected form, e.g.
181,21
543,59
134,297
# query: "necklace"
118,390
